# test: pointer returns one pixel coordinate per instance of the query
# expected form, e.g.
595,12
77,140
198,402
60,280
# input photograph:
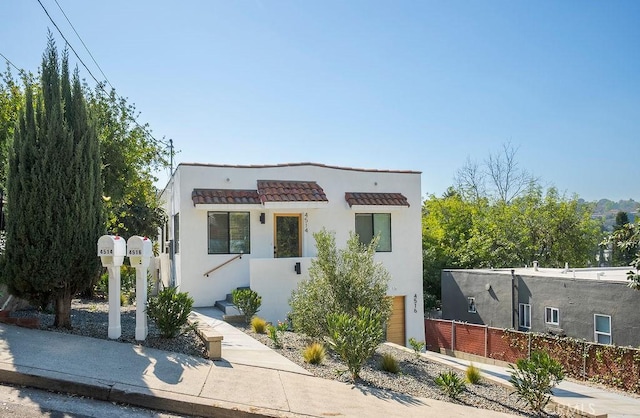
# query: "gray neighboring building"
594,304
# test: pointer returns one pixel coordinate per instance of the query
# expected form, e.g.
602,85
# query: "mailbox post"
139,250
112,250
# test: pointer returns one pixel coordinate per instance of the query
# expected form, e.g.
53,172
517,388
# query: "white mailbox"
112,249
139,251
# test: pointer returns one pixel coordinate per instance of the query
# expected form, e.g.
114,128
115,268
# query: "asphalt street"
21,402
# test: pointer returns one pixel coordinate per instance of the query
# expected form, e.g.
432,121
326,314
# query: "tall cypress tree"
55,206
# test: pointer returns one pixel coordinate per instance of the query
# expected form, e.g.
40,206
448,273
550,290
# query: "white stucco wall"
273,278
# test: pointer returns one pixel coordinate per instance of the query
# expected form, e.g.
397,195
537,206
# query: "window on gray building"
471,303
524,315
552,316
602,328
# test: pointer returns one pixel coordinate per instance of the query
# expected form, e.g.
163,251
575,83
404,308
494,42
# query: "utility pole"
171,156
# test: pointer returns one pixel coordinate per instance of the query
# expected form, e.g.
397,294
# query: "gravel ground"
90,318
415,378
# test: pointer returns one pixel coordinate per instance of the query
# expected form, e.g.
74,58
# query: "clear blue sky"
418,85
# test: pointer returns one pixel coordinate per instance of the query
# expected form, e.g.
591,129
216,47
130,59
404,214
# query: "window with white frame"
552,316
602,328
524,315
471,304
369,225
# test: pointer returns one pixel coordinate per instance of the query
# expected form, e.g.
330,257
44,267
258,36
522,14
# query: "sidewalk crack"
286,398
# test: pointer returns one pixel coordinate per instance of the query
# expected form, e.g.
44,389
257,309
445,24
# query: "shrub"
170,311
247,301
473,374
355,337
340,282
451,384
389,364
314,353
275,333
416,345
258,325
126,298
534,378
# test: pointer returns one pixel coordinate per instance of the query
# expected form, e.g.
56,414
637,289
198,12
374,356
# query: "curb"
132,395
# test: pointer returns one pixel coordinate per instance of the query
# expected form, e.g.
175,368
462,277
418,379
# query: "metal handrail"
223,264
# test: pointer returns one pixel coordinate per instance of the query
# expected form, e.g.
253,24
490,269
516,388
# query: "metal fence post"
584,360
453,335
486,341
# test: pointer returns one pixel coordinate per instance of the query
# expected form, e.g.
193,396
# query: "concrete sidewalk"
568,395
136,375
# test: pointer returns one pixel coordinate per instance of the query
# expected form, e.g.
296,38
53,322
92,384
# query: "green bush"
314,353
473,374
355,337
451,384
534,378
170,311
258,325
275,333
417,346
341,280
389,364
247,301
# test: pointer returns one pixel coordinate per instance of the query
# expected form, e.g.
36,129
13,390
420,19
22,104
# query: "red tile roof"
386,199
290,191
225,196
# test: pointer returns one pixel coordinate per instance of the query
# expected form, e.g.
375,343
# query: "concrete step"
227,307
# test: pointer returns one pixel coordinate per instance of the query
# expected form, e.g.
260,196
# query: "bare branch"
470,180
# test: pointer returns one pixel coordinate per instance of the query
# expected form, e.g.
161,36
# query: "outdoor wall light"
262,218
297,268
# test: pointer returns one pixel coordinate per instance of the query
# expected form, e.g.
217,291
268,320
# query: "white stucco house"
237,226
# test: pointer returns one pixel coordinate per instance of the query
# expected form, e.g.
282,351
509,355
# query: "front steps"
227,307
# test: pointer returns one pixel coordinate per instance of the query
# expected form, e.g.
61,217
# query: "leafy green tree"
355,336
547,227
622,255
626,239
130,155
11,102
341,281
55,193
446,228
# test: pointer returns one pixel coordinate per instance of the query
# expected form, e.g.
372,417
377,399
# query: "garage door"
395,327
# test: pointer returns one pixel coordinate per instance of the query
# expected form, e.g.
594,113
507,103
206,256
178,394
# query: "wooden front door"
288,236
395,327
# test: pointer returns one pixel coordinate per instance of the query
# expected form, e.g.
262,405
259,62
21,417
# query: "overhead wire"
10,63
83,44
99,84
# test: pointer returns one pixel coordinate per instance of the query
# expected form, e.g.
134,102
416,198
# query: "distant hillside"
607,209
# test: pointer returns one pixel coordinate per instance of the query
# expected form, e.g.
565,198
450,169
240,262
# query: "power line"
83,44
170,144
68,43
10,63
